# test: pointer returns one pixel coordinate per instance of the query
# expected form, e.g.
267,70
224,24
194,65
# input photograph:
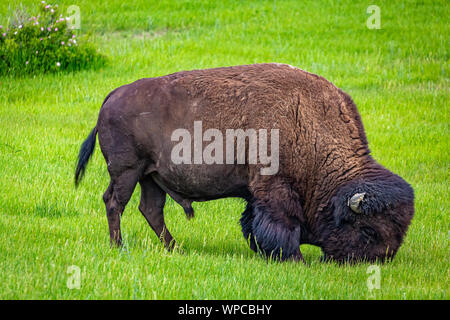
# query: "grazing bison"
326,189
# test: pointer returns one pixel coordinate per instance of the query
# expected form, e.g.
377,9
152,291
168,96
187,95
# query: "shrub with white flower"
47,33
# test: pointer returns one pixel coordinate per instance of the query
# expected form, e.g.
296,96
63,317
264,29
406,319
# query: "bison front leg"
275,235
272,220
247,226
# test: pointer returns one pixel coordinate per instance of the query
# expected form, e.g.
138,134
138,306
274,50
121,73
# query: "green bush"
44,43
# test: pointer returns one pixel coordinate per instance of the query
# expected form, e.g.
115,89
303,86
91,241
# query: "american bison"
325,188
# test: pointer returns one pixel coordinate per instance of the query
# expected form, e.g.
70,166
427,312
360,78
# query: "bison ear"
344,207
341,213
355,201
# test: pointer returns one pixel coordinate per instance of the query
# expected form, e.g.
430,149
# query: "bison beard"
328,190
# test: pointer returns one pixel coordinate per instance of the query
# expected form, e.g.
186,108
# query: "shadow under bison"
328,190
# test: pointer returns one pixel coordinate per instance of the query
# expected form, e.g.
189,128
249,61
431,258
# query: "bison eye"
369,235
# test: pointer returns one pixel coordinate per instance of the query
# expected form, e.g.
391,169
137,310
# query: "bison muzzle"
327,190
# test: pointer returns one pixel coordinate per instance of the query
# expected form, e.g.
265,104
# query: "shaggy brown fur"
324,160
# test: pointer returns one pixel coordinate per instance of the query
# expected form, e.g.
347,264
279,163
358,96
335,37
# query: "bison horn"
354,201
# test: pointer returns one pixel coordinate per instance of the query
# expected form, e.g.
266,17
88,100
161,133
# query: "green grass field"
397,75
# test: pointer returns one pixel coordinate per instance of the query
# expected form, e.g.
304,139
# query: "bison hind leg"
116,198
153,199
186,204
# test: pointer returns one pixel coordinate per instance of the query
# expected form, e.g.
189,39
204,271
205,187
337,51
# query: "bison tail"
86,150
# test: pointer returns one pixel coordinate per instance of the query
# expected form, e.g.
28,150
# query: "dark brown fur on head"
375,232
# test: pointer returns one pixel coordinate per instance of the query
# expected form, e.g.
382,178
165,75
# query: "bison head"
366,219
